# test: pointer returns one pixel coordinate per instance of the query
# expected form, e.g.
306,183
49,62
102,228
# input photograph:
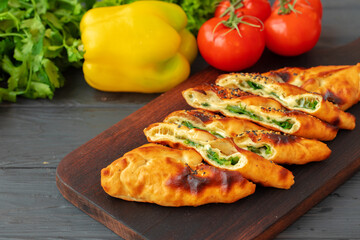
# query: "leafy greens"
38,38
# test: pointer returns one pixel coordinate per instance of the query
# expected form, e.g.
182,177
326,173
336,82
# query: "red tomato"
294,33
315,4
224,49
257,8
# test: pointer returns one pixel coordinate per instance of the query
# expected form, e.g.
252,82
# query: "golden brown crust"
266,112
170,177
334,115
234,94
289,74
197,116
311,127
235,126
337,84
285,149
266,172
249,164
204,116
289,96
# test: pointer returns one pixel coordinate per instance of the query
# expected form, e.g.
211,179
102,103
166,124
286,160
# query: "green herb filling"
188,124
192,143
274,94
216,134
254,86
283,124
259,150
242,110
205,104
221,161
191,126
307,103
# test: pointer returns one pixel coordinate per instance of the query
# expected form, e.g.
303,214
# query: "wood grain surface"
263,215
37,134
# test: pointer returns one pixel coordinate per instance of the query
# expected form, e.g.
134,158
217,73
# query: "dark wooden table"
36,135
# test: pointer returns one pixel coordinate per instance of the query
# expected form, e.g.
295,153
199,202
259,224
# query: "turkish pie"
215,124
221,153
171,177
282,148
337,84
290,96
264,111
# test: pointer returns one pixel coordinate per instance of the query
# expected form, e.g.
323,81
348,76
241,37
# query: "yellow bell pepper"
137,47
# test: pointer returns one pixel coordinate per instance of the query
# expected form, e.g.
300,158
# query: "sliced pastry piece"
337,84
264,111
171,177
283,148
221,153
215,124
290,96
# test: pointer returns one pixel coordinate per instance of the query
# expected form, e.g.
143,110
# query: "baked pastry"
264,111
221,153
274,146
213,123
282,148
171,177
337,84
290,96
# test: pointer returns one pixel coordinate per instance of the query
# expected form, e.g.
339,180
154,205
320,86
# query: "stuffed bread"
337,84
290,96
264,111
171,177
282,148
215,124
274,146
221,153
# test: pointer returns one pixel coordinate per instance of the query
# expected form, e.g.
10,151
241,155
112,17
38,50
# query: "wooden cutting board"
260,216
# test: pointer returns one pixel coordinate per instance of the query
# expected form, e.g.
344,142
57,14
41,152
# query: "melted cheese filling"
249,112
306,102
211,128
221,154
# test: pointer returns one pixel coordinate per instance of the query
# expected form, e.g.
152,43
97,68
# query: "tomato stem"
287,6
234,5
233,21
